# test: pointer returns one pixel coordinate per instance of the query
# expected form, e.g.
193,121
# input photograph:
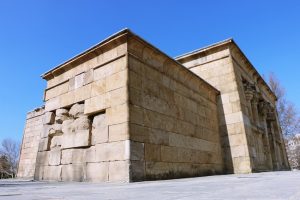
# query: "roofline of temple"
119,34
224,43
85,52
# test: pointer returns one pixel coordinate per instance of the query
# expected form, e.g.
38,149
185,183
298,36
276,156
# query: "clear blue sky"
36,35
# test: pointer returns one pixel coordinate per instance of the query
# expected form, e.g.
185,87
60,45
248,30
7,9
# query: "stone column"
283,148
271,119
249,97
263,108
254,104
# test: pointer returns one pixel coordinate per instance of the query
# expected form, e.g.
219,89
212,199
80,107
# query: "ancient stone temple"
125,111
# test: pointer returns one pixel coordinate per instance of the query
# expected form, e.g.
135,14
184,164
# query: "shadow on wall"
224,139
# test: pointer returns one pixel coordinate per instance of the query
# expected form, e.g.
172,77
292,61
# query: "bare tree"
287,113
9,151
289,120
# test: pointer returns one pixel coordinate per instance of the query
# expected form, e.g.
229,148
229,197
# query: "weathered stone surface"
119,171
99,129
43,144
113,151
49,118
52,173
61,115
76,110
55,156
56,141
73,172
97,172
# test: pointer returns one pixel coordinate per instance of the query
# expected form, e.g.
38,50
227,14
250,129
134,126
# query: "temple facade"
125,111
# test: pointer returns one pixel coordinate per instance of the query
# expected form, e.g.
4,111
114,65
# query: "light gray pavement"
271,186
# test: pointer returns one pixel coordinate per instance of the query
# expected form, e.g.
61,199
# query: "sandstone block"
42,158
137,170
113,151
136,151
118,132
49,118
82,138
97,172
83,93
99,135
117,114
44,144
90,155
52,173
116,80
45,131
61,115
67,126
98,87
66,156
73,172
152,152
55,156
55,129
73,156
119,171
82,123
56,142
99,121
95,104
88,77
76,110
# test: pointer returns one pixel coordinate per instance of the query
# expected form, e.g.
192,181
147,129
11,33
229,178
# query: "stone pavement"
271,186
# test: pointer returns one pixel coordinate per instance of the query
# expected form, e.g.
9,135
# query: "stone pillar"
254,104
249,97
283,148
263,108
271,119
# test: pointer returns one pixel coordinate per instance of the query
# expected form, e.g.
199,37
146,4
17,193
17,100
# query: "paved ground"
271,186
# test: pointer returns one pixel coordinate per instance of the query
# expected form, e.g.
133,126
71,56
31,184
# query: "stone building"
125,111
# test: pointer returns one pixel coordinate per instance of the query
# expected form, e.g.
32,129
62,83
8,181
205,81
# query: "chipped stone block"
97,172
76,110
82,138
55,156
56,142
73,172
45,131
61,115
99,120
55,129
67,126
119,171
44,144
49,118
82,123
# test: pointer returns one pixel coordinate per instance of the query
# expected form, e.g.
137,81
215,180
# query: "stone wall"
215,66
30,143
85,133
173,118
245,129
